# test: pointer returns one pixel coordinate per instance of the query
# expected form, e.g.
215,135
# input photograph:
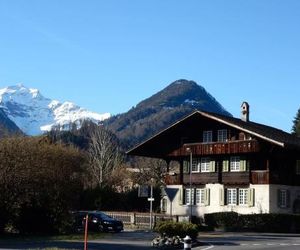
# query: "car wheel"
101,229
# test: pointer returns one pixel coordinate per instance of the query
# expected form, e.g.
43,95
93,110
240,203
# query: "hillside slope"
161,110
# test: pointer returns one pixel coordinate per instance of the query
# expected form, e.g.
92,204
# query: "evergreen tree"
296,124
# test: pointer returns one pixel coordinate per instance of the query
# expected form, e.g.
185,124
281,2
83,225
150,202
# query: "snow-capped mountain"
35,114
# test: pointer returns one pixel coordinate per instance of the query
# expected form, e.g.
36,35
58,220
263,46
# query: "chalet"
226,164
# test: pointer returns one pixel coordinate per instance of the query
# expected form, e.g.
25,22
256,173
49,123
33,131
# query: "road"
245,241
141,240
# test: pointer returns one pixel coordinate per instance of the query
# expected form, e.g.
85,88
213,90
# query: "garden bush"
277,223
170,229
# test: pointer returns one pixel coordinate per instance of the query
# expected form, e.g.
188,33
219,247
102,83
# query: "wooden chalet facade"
237,165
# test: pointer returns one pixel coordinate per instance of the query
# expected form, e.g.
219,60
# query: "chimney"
245,109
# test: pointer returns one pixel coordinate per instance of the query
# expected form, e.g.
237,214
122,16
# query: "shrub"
229,221
170,229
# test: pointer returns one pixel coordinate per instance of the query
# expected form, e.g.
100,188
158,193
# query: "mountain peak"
159,111
35,114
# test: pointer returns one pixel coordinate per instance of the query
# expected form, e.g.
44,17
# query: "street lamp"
190,168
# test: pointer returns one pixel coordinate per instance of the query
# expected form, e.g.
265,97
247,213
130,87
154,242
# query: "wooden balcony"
235,178
172,179
215,148
201,178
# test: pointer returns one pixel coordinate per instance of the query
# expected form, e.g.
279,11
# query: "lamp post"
190,169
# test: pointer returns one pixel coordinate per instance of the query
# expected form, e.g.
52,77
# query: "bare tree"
104,154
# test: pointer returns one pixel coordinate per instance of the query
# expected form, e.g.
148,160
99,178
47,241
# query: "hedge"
231,221
181,229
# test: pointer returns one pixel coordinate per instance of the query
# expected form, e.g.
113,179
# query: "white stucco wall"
294,194
265,201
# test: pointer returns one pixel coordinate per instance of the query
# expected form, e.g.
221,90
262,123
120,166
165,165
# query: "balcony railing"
254,177
213,148
260,177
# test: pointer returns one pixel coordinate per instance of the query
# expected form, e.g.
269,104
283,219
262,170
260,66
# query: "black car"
97,221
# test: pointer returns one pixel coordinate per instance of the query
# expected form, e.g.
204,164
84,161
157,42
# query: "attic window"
222,135
207,136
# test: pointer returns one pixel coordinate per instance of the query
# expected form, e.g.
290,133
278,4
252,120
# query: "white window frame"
188,196
207,136
222,135
283,198
232,196
195,165
205,164
200,196
243,196
235,164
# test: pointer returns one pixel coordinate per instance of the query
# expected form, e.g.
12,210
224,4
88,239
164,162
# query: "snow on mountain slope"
35,114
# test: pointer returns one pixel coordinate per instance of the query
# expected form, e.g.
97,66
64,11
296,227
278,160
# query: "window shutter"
225,165
251,197
206,196
212,166
242,165
222,197
194,195
181,196
288,198
186,167
278,198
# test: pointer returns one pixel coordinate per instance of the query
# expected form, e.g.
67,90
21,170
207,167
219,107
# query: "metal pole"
151,200
86,232
191,206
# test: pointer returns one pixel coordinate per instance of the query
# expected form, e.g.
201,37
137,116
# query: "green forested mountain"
161,110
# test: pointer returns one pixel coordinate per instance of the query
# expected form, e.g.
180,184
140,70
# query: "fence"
142,220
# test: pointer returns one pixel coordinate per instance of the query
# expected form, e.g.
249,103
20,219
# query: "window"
205,165
222,135
200,196
231,196
188,194
207,136
243,196
298,167
283,198
195,165
234,163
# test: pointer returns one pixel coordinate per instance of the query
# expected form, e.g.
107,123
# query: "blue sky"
109,55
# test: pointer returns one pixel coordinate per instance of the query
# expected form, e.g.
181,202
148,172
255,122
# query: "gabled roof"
267,133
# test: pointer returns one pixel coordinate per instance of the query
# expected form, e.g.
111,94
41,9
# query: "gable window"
205,164
231,196
298,167
235,164
207,136
222,135
243,196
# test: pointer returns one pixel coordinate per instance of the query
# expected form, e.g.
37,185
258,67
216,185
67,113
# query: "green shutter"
243,165
251,197
206,196
212,166
278,198
222,197
181,195
225,165
186,167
